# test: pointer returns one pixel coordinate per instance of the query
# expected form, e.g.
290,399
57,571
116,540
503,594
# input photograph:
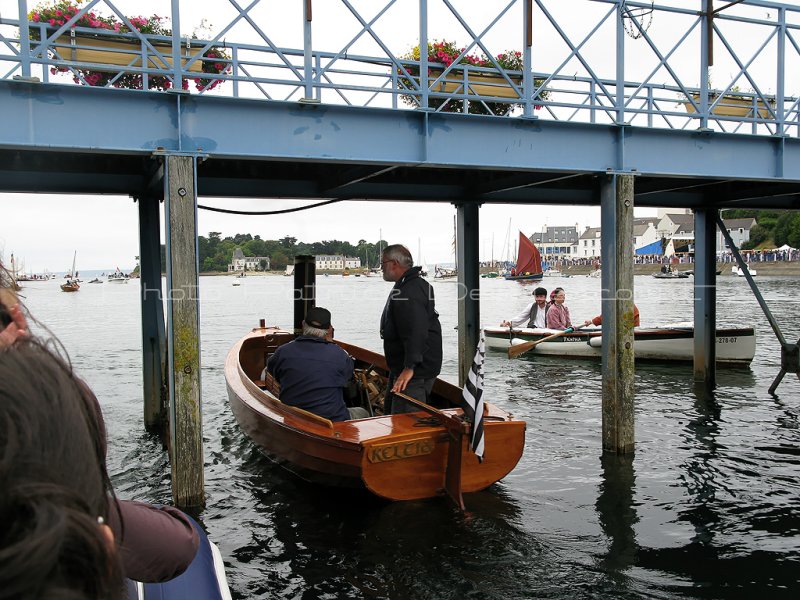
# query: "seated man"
312,370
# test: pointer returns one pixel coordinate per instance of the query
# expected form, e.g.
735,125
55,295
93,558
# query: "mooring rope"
229,211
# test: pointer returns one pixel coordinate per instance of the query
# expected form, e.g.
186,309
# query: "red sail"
529,261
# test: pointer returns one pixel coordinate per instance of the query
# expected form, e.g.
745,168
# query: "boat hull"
533,277
734,346
398,457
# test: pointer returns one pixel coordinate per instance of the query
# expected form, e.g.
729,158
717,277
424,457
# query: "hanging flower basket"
442,54
118,47
733,106
115,53
477,84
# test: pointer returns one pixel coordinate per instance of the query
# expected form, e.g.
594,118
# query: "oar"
515,351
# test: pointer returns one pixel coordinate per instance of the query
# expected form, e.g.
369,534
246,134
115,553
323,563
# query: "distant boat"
444,273
289,271
740,273
241,275
117,277
529,262
96,280
71,284
671,275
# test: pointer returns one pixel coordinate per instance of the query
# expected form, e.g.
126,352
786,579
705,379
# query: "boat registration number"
401,450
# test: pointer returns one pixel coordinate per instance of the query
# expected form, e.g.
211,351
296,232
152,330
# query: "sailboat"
446,272
71,285
529,261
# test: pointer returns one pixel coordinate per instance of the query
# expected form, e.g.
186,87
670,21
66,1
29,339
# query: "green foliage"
758,235
787,230
216,253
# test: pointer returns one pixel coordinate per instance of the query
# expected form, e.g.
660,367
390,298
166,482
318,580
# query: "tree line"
773,228
215,252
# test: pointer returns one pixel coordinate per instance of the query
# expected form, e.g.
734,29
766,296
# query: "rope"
228,211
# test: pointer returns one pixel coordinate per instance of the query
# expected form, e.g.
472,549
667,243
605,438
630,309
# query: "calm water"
709,507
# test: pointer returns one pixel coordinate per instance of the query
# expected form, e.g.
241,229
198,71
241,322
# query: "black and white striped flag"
473,400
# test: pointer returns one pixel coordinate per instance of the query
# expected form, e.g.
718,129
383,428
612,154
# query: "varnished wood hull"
398,457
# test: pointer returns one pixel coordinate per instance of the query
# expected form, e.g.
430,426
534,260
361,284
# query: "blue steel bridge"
675,103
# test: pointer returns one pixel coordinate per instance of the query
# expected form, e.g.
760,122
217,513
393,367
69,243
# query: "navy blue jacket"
312,372
412,335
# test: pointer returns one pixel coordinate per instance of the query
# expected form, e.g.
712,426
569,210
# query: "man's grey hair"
314,331
399,253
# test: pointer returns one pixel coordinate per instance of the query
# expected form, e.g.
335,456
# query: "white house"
337,262
739,230
240,262
644,232
589,243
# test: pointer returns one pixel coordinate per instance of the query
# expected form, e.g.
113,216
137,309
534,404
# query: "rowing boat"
736,346
399,457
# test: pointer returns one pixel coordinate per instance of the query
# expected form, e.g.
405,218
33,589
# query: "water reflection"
617,513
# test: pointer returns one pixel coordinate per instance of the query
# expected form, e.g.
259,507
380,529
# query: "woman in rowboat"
558,314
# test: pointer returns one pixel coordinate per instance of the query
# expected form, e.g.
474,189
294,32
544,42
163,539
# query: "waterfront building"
336,262
240,262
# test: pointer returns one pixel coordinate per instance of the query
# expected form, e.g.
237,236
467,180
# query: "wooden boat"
71,285
444,273
529,262
736,346
399,457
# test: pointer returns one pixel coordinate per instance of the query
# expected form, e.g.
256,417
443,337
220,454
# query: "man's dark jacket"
412,335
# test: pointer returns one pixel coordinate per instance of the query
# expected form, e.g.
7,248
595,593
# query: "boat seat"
203,579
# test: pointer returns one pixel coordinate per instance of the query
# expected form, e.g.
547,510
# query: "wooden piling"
616,218
184,341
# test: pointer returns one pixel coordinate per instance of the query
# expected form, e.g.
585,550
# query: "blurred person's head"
54,500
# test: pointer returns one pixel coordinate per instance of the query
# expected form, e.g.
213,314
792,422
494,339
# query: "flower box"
123,53
478,85
733,106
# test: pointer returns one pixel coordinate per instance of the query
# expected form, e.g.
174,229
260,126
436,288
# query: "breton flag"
473,400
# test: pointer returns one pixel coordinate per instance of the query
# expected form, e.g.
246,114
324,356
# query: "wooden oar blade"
517,349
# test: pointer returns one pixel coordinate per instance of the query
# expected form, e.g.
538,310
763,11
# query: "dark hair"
540,291
53,480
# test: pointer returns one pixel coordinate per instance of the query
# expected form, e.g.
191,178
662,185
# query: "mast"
72,273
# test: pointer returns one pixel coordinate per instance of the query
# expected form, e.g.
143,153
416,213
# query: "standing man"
535,314
412,335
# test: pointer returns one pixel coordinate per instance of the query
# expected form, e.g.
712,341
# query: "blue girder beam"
109,122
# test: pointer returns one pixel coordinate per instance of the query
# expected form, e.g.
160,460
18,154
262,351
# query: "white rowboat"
735,346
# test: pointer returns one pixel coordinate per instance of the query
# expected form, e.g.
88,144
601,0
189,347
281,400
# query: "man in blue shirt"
312,370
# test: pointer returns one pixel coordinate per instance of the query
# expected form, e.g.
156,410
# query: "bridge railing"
631,62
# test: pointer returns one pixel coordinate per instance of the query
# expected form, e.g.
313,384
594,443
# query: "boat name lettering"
573,339
727,340
409,449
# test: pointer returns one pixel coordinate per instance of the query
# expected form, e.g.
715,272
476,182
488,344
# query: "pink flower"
35,18
52,21
59,13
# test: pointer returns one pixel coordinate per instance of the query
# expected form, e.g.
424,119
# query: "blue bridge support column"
183,310
469,310
616,221
705,297
154,342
